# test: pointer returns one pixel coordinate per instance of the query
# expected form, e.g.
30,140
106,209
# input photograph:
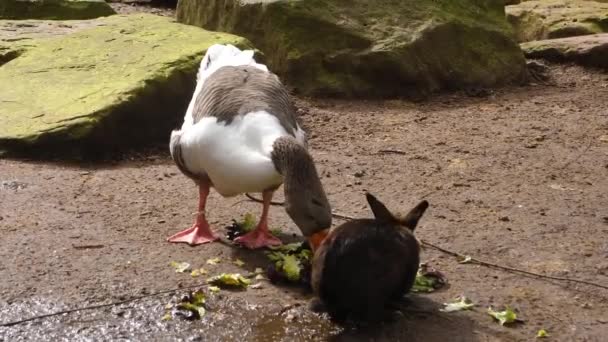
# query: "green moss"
125,81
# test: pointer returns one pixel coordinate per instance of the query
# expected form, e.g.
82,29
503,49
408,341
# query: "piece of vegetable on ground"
428,280
291,263
229,280
461,303
542,333
238,228
190,307
180,267
507,316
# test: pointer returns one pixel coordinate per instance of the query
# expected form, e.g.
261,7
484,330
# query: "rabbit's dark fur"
363,265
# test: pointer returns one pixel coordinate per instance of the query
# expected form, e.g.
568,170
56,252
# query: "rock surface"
54,9
126,79
546,19
363,48
18,35
589,50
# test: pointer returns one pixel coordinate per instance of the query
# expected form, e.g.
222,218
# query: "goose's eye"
316,202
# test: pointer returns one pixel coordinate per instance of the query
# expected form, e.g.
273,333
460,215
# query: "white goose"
239,135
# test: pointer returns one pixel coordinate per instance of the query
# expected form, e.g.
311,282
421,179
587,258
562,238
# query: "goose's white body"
236,156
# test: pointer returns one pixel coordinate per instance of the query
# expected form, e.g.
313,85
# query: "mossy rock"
54,9
548,19
377,49
591,50
16,36
124,82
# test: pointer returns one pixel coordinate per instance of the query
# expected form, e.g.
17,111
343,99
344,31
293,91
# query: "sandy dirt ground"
516,177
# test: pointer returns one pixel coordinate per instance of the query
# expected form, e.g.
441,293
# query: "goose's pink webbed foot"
200,232
260,236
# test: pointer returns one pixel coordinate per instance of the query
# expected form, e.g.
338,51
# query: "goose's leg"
199,232
260,236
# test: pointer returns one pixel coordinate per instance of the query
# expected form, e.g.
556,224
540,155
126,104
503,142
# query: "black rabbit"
364,265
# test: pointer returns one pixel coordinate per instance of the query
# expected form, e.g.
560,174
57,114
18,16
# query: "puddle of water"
227,319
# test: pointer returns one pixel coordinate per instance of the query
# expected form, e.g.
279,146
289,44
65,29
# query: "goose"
364,265
240,135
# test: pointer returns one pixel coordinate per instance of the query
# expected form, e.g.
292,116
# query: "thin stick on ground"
280,204
99,306
391,152
509,269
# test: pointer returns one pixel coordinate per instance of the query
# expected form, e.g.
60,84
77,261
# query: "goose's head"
307,205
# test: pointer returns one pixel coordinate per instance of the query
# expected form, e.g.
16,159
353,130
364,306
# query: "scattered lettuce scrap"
428,280
238,262
198,272
503,317
190,307
465,259
229,280
194,304
248,222
260,277
246,225
290,262
242,227
461,303
180,267
293,247
258,270
214,261
291,267
214,289
256,286
542,333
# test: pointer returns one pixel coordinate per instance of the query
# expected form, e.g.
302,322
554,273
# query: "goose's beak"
317,238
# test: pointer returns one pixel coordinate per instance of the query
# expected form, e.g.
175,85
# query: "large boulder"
54,9
126,80
371,48
547,19
589,50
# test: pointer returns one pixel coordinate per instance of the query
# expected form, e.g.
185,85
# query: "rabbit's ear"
411,219
381,213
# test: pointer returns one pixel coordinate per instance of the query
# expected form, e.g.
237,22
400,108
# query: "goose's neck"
305,200
293,162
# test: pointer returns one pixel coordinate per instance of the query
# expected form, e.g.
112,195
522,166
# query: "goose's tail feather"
218,56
